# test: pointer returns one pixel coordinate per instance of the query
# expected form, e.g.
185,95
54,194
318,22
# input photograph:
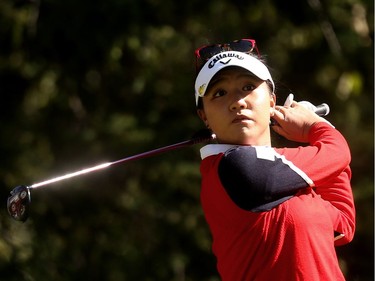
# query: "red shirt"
294,239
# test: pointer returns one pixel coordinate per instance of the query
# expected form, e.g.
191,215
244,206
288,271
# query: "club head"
18,203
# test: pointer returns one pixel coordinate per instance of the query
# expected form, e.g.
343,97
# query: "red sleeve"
339,203
326,161
325,158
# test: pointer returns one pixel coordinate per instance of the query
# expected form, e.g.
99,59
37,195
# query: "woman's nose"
239,102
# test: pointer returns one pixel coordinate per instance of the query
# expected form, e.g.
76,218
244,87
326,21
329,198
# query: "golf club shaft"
198,139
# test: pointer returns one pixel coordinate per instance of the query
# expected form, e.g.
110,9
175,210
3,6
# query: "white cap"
225,59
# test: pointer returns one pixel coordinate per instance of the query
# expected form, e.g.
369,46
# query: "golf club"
19,198
322,109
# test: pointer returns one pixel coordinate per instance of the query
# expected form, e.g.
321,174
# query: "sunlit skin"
237,107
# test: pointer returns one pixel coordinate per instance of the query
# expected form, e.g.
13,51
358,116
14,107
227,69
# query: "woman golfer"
274,213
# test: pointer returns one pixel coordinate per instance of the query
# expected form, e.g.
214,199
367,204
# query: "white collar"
263,151
213,149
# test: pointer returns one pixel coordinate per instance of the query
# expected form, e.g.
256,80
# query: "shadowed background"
86,82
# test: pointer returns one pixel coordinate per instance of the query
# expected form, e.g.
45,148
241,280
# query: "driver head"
18,203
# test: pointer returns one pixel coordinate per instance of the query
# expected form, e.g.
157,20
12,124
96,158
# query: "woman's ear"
272,104
202,116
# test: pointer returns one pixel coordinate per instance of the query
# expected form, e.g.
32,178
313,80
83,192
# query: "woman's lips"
241,118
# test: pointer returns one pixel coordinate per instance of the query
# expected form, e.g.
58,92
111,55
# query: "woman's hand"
294,122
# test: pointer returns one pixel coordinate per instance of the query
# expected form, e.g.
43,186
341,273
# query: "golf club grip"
321,110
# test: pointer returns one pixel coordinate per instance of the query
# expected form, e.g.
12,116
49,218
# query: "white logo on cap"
223,56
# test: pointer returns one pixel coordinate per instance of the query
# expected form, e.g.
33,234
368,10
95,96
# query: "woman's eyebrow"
220,78
214,81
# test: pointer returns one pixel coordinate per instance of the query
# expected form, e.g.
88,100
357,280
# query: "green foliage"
85,82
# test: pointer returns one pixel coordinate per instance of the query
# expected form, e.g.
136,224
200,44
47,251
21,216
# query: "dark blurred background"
85,82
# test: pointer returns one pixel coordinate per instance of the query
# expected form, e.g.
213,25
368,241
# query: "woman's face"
237,107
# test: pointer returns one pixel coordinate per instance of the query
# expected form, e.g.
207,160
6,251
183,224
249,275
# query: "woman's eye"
219,93
249,87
